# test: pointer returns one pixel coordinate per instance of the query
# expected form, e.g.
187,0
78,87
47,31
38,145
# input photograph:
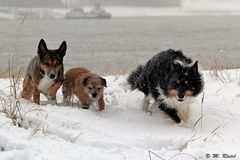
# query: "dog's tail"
134,77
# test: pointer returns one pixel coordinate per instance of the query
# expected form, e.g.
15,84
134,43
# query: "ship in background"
97,12
72,9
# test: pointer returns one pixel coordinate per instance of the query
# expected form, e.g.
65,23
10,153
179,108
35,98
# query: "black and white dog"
172,80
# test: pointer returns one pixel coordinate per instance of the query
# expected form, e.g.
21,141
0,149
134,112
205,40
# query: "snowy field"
123,131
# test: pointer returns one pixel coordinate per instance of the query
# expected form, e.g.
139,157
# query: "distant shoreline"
119,44
119,11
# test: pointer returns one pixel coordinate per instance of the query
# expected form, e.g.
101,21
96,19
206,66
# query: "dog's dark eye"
98,88
56,64
90,88
46,64
174,86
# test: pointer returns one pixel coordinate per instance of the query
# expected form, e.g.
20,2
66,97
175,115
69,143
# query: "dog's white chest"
45,84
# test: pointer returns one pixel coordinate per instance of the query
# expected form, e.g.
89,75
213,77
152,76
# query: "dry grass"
11,105
214,133
219,71
202,115
184,146
151,154
219,66
15,71
14,67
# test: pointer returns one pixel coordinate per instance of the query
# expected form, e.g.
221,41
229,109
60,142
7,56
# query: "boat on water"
96,13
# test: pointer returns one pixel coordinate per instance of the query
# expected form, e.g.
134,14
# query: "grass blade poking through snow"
213,132
150,153
76,137
202,108
202,115
10,102
186,143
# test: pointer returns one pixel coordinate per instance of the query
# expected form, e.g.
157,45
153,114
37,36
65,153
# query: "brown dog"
87,86
44,73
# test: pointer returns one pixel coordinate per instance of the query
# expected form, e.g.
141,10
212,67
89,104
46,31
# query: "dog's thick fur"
172,80
45,73
87,86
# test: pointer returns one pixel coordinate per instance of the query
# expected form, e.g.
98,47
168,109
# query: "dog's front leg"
83,98
145,103
101,104
36,95
53,91
172,112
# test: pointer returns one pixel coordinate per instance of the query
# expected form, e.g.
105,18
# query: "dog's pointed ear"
173,66
62,49
86,80
104,82
42,48
195,66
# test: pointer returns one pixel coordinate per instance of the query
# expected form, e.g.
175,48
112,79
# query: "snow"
123,130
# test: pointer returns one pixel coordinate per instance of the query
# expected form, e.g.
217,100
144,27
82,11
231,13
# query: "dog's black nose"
94,95
52,76
180,96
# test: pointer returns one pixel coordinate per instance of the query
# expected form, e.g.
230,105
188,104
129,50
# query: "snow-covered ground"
123,131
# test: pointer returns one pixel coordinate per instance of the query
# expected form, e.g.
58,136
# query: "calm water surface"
119,44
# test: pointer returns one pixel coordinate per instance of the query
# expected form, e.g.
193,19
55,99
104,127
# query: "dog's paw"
183,124
85,107
154,107
52,102
144,108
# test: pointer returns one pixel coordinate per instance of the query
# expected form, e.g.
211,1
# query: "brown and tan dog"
87,86
44,73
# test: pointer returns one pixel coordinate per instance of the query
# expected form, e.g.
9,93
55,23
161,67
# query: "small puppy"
87,86
44,73
172,80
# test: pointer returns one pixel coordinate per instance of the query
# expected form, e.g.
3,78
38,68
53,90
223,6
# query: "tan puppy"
87,86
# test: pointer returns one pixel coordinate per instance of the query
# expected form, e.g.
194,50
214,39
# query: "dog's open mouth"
181,99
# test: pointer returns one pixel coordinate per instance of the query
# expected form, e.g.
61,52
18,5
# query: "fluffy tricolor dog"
44,73
172,80
87,86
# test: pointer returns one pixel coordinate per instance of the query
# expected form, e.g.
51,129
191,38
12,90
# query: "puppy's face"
185,82
51,61
93,86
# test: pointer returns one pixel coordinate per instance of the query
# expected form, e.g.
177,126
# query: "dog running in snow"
45,73
87,86
172,80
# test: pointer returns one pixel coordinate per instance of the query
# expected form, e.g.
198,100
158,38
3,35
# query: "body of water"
118,45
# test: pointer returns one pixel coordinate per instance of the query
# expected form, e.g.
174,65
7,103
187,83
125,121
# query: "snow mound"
123,131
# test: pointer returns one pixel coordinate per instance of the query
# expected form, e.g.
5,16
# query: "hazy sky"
141,3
